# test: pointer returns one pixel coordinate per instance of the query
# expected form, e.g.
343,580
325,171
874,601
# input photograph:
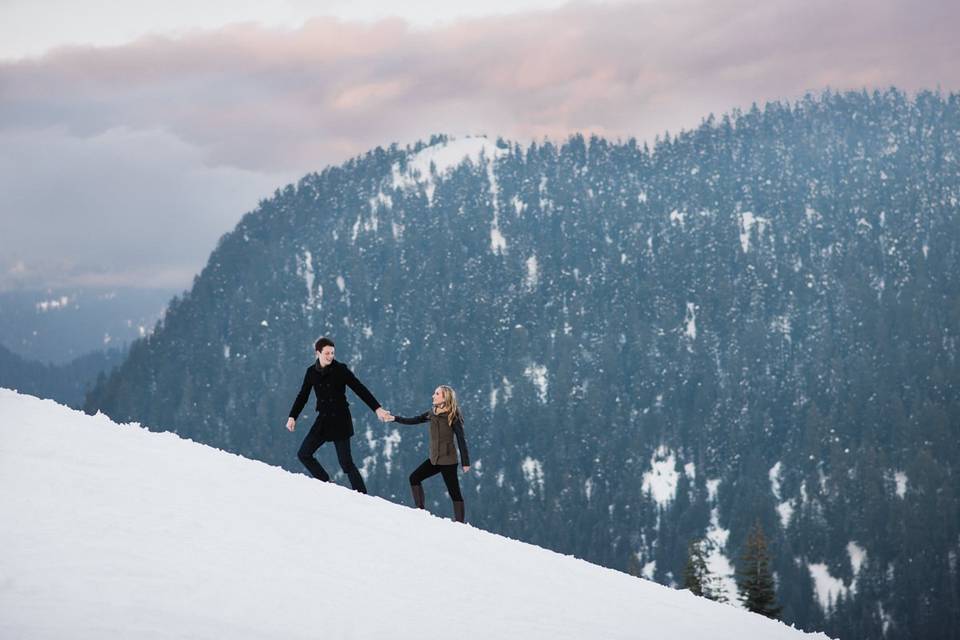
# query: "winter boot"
458,511
418,499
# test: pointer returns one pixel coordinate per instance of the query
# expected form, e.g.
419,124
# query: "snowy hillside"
111,531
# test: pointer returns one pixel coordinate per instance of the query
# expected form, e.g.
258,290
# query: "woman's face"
437,396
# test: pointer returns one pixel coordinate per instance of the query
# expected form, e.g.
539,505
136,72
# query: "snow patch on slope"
718,564
533,474
661,480
829,589
537,374
747,222
902,482
436,161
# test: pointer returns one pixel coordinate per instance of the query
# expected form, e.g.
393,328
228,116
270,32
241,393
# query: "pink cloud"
276,99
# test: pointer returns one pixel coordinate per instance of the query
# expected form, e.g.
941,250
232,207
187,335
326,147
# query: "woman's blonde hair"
451,404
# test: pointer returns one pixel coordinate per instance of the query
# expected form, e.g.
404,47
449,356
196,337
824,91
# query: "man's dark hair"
324,342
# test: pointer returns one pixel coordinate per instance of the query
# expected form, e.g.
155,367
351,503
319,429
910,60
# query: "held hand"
466,468
291,424
383,414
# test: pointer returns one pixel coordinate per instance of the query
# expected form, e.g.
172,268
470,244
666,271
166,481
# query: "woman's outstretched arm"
423,417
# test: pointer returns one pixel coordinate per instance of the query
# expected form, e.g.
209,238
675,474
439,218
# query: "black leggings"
449,471
310,445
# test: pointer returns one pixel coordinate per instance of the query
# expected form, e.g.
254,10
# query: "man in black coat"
329,378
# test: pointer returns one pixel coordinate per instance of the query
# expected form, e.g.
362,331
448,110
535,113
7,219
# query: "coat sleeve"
302,397
423,417
362,392
461,442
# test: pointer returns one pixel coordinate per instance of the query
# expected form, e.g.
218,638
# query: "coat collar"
327,369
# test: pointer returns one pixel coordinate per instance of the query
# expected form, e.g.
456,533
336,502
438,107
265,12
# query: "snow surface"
661,481
712,487
901,479
380,201
858,555
435,161
537,374
533,474
518,205
533,274
56,303
111,531
785,510
649,570
776,478
718,564
444,157
498,243
305,271
747,222
690,322
495,393
827,588
782,325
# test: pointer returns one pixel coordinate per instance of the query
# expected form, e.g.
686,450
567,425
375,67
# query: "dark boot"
356,480
458,512
314,467
418,499
345,458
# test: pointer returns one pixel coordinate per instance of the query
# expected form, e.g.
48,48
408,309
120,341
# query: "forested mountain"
60,325
756,320
67,383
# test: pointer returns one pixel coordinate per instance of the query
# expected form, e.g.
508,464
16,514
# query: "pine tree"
757,590
715,590
696,575
633,566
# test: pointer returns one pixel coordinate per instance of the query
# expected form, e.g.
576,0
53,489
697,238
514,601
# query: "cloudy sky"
133,134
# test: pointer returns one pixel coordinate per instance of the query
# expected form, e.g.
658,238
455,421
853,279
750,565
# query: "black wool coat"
333,411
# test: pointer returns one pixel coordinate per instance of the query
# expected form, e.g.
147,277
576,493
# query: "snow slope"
111,531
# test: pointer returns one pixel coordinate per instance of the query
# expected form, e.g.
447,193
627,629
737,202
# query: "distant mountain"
59,325
754,321
67,383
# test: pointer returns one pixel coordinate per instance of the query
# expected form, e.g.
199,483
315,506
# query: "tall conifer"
696,575
757,589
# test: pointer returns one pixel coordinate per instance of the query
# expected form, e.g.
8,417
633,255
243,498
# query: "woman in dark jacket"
329,378
446,422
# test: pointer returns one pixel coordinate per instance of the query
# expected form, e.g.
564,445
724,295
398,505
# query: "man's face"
326,355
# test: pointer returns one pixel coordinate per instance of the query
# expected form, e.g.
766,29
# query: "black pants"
449,471
310,445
